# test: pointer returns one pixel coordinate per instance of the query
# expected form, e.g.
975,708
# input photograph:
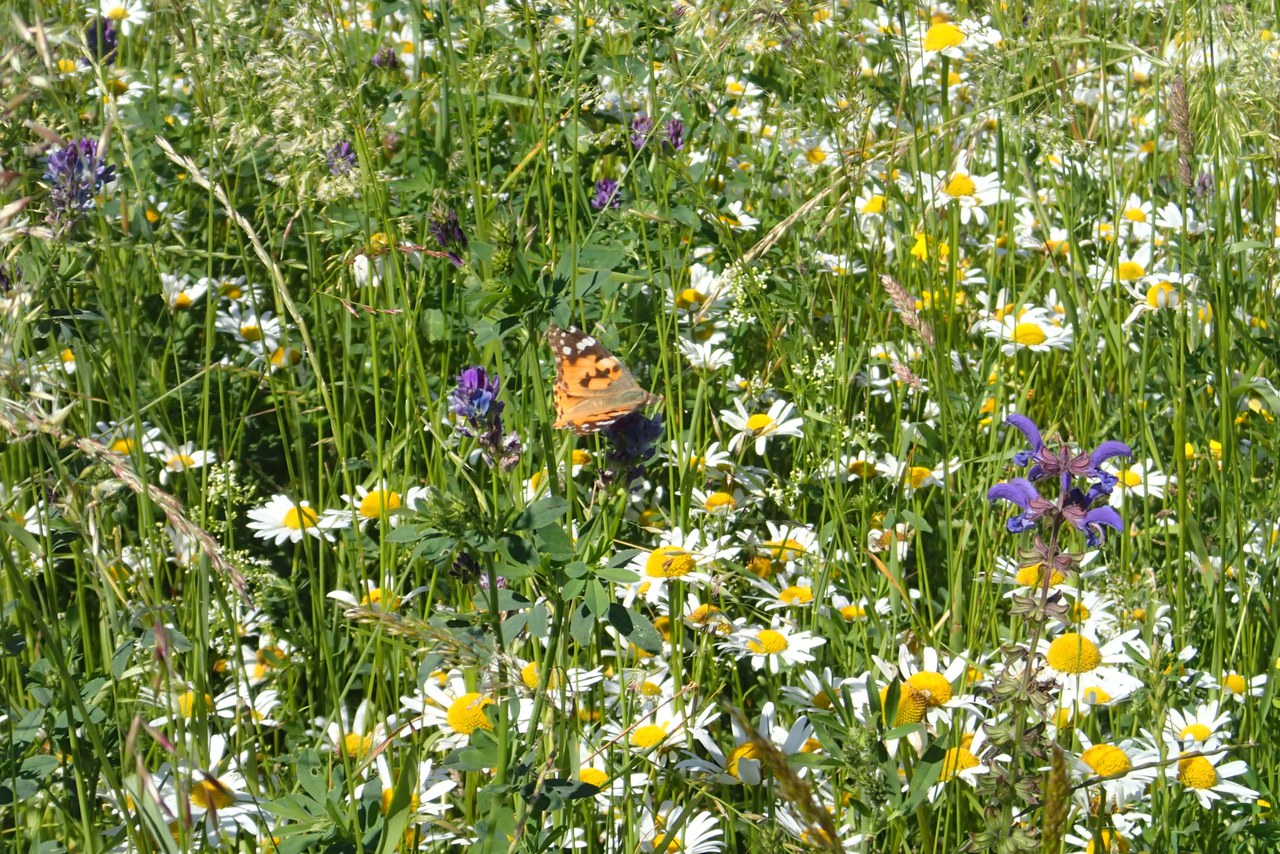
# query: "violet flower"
673,134
641,128
75,174
606,194
445,229
1073,504
386,58
102,39
475,403
341,157
633,440
475,400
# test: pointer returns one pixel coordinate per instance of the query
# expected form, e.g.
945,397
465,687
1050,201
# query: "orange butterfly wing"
592,389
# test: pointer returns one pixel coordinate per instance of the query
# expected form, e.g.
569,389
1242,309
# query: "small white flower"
281,519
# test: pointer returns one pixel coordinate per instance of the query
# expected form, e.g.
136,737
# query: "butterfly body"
593,389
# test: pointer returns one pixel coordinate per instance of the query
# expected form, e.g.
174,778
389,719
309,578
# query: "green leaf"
556,793
541,513
398,811
596,598
554,541
620,576
635,627
926,773
480,755
581,625
312,776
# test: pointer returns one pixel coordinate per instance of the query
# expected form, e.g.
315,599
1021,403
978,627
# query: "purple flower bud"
342,158
641,127
475,399
606,194
102,38
1204,186
75,175
673,134
445,229
465,568
633,440
386,58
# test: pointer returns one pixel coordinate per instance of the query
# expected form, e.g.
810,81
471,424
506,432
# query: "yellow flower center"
182,300
853,612
1129,271
788,549
1073,653
117,13
796,595
957,759
815,155
356,746
932,686
178,462
375,599
1135,215
767,642
581,457
1235,683
742,751
760,566
1197,772
388,795
690,298
860,468
669,562
960,185
1128,478
873,205
719,501
300,518
379,503
594,777
1032,575
1029,334
911,704
1163,295
466,714
917,475
647,736
123,445
705,615
1106,759
190,703
1111,843
1095,696
942,36
759,423
1195,732
211,795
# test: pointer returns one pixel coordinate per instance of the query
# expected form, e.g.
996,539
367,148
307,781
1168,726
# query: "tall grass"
861,235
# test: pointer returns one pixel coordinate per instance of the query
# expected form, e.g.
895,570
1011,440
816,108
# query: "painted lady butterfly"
593,389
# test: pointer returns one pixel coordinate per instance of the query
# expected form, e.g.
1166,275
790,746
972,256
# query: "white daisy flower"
282,518
758,428
1206,775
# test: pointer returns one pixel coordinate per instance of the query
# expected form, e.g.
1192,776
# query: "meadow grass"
950,520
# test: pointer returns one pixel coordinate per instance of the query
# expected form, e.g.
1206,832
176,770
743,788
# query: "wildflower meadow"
639,426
